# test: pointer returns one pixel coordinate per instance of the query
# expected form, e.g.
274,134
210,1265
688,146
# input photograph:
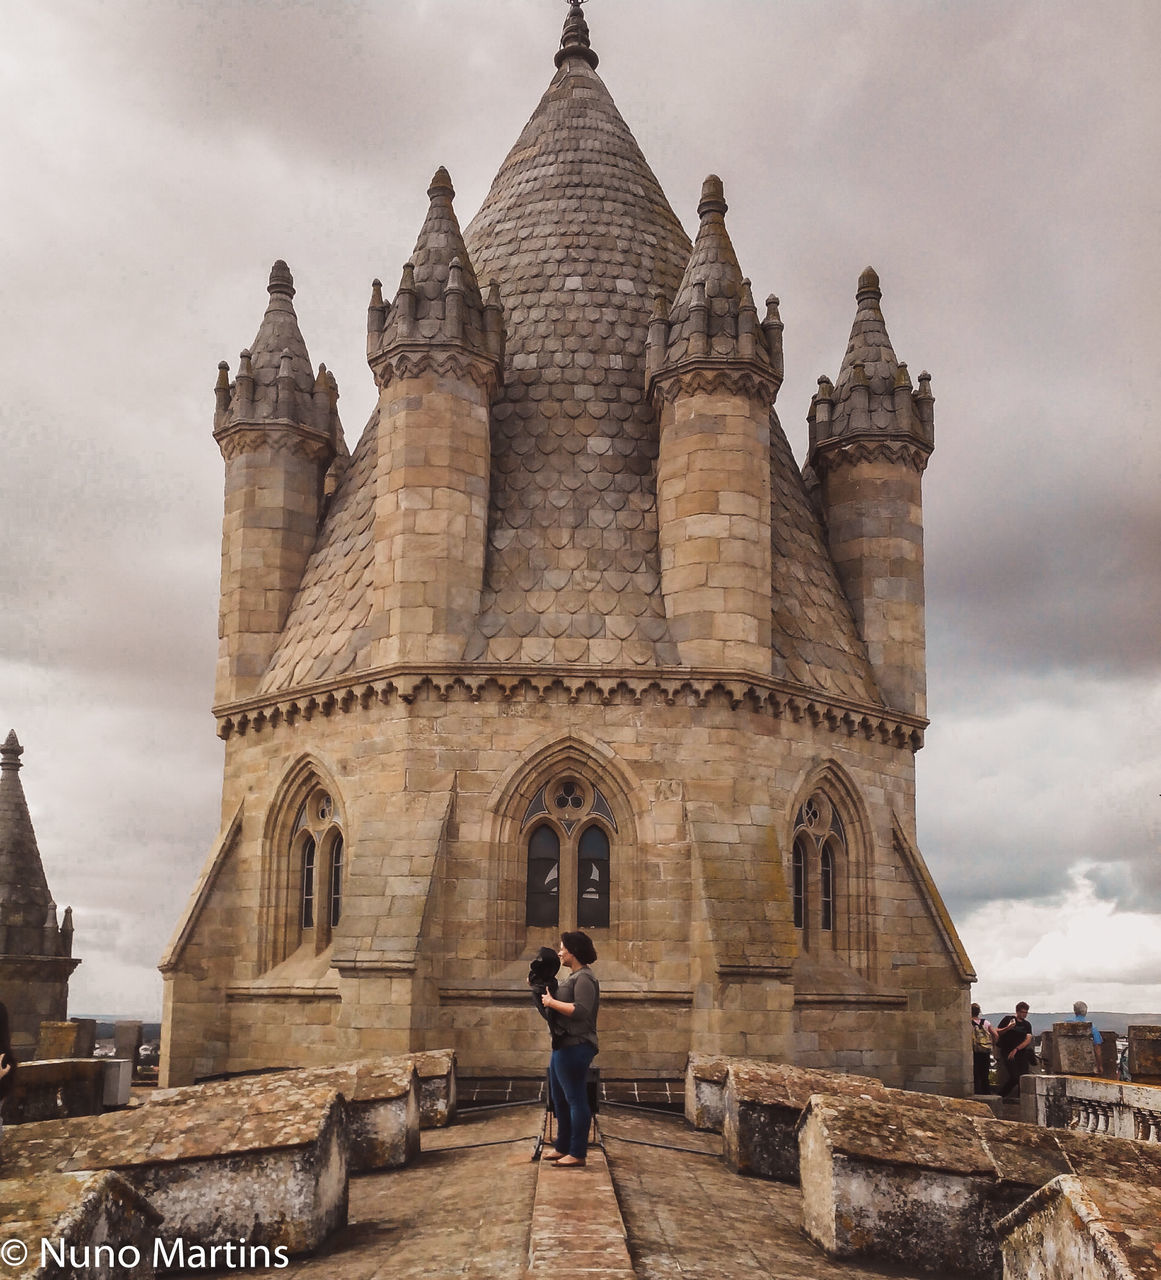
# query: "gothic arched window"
570,828
316,852
817,862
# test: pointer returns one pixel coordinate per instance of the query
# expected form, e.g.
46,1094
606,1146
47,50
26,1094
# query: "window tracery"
818,857
316,851
567,830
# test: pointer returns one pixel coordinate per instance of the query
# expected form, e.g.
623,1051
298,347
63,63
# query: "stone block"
761,1108
1073,1050
118,1082
52,1089
270,1166
127,1040
56,1040
91,1224
381,1096
912,1186
763,1103
1145,1055
436,1070
1085,1229
705,1091
86,1036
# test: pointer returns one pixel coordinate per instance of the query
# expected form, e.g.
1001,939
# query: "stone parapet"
763,1103
381,1097
267,1167
54,1088
91,1224
1090,1228
1145,1054
1090,1105
895,1183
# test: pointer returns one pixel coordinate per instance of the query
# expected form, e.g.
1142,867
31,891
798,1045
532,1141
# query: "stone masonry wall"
432,790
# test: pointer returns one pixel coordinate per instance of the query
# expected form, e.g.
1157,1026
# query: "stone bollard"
1073,1050
1145,1055
127,1041
56,1040
86,1036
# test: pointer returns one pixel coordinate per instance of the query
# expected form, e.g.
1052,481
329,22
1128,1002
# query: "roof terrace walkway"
654,1202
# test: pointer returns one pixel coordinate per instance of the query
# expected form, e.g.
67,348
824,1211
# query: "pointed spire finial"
441,185
11,751
574,42
713,197
281,281
869,286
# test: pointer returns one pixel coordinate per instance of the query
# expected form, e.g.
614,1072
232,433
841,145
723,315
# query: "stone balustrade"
1093,1105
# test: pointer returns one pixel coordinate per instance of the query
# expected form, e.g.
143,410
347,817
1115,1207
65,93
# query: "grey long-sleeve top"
582,990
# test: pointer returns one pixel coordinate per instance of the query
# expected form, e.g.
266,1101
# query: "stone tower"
567,641
871,434
36,949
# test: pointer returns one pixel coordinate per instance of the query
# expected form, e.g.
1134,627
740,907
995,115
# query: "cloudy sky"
998,163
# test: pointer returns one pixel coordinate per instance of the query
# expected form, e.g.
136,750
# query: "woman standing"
577,1000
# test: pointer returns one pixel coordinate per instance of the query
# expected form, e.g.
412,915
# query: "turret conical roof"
279,335
24,895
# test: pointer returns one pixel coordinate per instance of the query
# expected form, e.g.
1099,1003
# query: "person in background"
1080,1014
7,1061
1016,1047
983,1041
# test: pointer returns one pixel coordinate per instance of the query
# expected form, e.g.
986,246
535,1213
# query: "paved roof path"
475,1206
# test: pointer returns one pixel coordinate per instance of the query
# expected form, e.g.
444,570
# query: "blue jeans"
568,1070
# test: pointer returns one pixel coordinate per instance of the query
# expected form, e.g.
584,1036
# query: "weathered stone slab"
270,1167
436,1070
381,1097
55,1088
1073,1050
56,1040
86,1036
881,1180
763,1103
897,1183
705,1091
1145,1055
90,1224
1085,1229
127,1041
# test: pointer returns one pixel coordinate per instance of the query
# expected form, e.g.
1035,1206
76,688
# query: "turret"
35,951
437,355
277,426
714,376
871,434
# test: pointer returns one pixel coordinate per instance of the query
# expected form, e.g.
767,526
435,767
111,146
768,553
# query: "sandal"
573,1163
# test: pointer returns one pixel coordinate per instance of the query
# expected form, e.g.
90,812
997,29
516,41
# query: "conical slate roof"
579,236
870,347
277,334
24,895
712,271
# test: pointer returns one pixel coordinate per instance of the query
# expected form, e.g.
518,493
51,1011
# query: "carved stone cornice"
706,376
279,435
413,359
849,451
560,684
